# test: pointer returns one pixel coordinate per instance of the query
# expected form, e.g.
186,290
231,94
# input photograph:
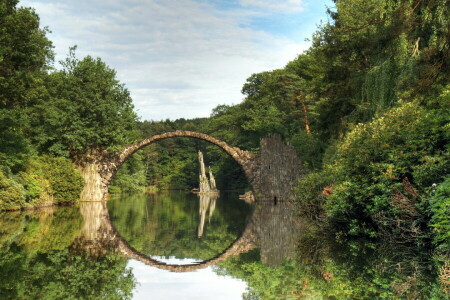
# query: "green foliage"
14,147
36,263
41,230
131,176
311,200
439,200
32,187
46,230
381,170
310,148
45,180
65,183
76,277
25,53
369,55
66,276
12,195
89,110
274,103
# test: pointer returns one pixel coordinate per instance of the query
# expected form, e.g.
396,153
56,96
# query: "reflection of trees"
43,229
321,268
271,228
166,224
37,260
60,275
98,234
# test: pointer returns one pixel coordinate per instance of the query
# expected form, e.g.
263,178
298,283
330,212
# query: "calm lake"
178,245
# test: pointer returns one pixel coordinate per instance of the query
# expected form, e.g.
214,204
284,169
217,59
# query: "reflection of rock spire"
207,202
203,207
212,206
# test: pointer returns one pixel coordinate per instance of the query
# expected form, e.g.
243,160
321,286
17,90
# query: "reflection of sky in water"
176,261
154,283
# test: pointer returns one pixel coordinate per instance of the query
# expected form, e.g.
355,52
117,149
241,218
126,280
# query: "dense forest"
367,107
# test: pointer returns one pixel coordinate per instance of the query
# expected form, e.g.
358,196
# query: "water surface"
177,245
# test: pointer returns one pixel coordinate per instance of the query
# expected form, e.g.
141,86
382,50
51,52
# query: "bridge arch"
98,232
247,160
244,243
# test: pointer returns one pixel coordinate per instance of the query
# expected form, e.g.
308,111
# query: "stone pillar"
204,183
280,170
212,180
95,187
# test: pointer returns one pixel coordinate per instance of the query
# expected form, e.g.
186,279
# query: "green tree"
25,57
89,111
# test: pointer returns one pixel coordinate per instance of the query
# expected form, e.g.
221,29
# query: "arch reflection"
270,228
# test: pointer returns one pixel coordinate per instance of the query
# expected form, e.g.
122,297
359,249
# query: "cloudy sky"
182,58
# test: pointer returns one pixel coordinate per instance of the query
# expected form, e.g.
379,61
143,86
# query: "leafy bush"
65,181
310,198
33,189
382,169
12,195
440,221
45,180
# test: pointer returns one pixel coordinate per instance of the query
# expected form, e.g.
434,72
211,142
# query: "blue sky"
182,58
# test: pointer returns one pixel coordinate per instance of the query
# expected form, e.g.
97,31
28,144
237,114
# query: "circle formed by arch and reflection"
97,225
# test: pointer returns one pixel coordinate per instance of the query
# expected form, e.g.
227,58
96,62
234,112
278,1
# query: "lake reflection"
175,224
179,245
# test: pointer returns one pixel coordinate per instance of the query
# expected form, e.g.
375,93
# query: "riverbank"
42,181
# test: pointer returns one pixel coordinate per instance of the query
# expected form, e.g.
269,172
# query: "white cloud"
177,58
286,6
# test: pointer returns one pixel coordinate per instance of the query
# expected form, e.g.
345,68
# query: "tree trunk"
305,117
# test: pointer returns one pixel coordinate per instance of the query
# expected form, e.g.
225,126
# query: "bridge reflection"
272,228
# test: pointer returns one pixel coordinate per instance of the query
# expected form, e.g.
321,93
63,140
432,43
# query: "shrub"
45,180
381,170
12,195
310,196
32,187
65,181
131,176
439,201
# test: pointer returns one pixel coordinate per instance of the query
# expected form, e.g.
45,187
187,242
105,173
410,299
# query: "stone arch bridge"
272,173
